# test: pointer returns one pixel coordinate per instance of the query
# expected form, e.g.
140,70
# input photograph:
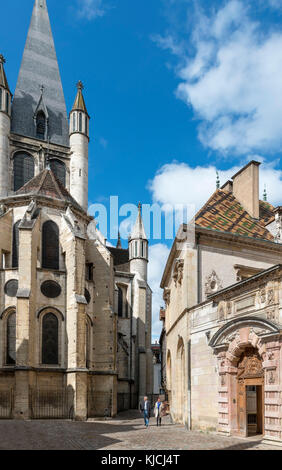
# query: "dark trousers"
159,421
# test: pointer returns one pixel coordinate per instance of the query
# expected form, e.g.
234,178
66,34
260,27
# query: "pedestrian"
145,408
159,411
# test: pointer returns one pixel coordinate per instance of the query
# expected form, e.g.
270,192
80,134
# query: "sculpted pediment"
256,325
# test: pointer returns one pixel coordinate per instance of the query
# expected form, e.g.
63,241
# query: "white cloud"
90,9
158,255
232,80
179,183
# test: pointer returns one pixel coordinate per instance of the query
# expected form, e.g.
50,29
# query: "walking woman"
159,411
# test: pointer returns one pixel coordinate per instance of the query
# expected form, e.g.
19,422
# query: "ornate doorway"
250,392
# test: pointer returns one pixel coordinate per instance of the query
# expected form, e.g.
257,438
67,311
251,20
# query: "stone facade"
222,295
66,348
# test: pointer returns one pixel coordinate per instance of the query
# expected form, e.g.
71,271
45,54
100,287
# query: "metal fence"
50,404
99,404
6,404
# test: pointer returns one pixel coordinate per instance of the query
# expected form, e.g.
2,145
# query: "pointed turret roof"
119,245
47,184
3,78
79,103
39,69
138,231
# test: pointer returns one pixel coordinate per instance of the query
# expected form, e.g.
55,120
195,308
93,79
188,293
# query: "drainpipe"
198,269
189,421
130,351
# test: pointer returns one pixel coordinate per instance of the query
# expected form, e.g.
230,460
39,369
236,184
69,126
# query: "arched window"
23,169
15,255
120,302
50,339
74,122
11,339
40,125
50,245
59,169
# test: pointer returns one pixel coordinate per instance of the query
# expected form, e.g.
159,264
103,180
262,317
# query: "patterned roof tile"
224,212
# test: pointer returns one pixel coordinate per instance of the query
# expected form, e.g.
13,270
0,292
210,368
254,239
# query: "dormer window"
40,125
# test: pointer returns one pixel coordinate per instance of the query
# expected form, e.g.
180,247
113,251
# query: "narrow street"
126,432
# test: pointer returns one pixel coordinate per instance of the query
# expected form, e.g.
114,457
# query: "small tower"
138,248
5,128
79,141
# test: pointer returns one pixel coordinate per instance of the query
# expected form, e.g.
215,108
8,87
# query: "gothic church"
75,315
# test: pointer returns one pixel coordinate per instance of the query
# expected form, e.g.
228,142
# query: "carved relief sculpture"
213,283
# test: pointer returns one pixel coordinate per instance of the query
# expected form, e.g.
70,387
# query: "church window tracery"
11,339
59,169
41,125
50,339
50,245
23,169
15,255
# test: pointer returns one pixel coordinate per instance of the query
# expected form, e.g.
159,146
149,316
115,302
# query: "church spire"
119,245
40,67
138,247
79,103
3,78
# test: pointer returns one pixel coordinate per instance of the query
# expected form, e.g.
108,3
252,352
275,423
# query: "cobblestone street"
126,432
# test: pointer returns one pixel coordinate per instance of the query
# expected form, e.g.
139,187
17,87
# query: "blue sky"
176,89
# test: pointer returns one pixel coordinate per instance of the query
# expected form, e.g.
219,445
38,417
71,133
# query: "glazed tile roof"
47,184
223,212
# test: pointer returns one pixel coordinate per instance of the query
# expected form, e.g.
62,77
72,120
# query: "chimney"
246,188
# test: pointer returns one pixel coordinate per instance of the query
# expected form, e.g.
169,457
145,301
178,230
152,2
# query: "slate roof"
47,184
223,212
39,68
121,259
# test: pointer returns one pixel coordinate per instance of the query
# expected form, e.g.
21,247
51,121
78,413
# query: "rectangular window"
142,249
136,249
1,93
89,271
73,123
86,125
80,122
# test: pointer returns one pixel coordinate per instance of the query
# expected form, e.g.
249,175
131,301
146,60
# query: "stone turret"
79,141
138,248
5,128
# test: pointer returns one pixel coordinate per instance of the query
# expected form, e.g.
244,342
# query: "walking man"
159,411
145,408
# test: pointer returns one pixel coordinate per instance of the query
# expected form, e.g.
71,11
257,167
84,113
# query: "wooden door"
242,414
260,409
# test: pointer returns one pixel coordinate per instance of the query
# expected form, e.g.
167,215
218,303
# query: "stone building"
157,372
222,288
75,315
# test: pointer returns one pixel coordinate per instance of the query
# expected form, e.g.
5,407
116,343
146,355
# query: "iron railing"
6,403
50,404
99,404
